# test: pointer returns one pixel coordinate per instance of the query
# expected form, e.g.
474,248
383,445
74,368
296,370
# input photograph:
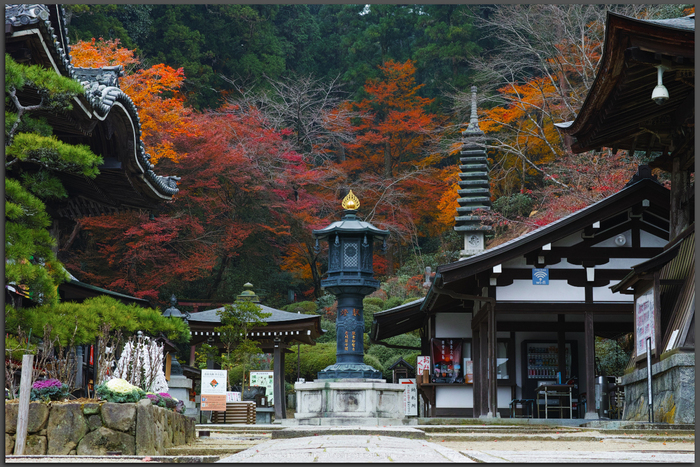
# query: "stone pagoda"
474,192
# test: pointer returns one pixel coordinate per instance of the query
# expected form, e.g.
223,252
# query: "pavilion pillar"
493,388
589,349
483,369
278,378
561,343
476,376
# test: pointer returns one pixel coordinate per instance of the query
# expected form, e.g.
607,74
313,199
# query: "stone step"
220,451
561,436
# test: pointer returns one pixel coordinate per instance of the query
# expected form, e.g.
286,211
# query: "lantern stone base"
350,401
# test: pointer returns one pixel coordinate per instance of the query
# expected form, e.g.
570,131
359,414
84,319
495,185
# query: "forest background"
272,113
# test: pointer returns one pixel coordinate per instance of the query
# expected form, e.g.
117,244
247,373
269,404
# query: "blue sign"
540,276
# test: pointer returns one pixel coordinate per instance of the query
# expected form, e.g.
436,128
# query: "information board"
265,379
644,322
410,396
214,384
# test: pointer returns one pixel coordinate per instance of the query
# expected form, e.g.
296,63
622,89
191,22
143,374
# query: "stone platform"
349,402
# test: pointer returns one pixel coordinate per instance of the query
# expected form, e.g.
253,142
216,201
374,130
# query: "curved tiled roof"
101,84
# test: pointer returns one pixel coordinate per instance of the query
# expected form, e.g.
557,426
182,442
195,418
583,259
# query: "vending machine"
540,365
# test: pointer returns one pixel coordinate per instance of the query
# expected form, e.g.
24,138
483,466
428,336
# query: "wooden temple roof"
619,113
462,277
288,327
105,119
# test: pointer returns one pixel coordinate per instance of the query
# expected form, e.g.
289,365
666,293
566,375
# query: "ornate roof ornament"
351,202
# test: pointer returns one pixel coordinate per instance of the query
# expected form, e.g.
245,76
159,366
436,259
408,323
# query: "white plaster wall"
610,242
648,240
570,240
462,396
604,294
455,325
456,396
556,291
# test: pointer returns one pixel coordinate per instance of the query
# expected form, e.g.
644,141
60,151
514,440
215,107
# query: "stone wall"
673,391
95,428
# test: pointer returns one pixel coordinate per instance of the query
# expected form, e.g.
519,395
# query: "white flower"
120,386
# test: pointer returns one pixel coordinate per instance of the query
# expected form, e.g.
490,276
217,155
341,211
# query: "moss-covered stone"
120,417
66,428
102,440
35,446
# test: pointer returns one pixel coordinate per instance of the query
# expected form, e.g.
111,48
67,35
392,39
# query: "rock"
101,440
146,436
94,422
120,417
38,415
91,408
66,428
11,417
9,444
35,446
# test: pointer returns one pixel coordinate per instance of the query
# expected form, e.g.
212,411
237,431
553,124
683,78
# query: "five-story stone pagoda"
350,391
474,187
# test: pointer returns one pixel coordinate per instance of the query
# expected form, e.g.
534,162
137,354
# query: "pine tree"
32,156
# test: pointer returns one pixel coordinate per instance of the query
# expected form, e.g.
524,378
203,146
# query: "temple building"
513,324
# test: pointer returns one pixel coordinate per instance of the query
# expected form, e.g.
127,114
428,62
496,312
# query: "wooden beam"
607,308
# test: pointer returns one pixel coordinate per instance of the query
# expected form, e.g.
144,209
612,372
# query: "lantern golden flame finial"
350,202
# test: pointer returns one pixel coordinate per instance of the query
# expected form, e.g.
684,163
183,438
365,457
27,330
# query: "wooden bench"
236,412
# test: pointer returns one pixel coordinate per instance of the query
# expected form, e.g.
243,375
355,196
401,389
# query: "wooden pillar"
493,380
476,378
278,376
561,343
192,355
589,349
483,368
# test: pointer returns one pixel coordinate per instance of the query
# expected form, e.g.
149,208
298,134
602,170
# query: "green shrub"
393,302
313,359
373,301
329,327
374,362
514,206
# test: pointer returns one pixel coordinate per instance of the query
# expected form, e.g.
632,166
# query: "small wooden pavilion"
282,330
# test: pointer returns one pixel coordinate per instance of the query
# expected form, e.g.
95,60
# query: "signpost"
410,397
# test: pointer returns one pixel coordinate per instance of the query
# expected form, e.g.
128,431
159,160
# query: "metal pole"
651,400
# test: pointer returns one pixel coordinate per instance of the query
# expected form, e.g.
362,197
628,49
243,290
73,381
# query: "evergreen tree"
32,156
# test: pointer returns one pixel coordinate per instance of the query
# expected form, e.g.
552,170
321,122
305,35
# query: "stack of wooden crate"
236,412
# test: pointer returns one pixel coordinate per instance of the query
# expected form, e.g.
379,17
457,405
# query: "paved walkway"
380,448
347,448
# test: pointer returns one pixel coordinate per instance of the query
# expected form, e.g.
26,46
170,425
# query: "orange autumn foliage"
154,91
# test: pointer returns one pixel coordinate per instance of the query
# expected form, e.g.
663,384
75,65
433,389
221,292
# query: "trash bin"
602,400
